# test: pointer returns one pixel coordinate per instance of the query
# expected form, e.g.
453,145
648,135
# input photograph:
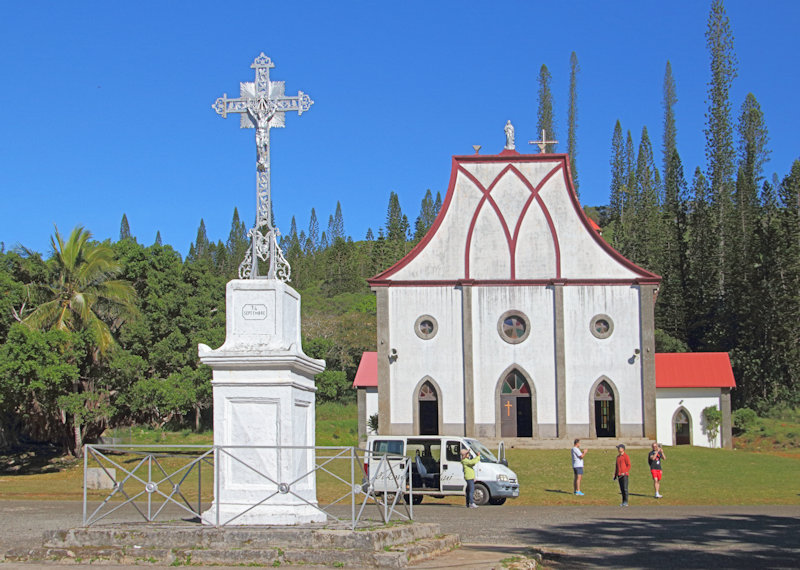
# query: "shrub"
744,420
333,386
372,424
713,419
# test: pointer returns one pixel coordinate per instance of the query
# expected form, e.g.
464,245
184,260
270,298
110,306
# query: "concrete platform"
379,546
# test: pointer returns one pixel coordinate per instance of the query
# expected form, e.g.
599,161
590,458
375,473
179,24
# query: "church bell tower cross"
262,106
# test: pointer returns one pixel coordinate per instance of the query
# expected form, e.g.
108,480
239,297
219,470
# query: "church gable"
510,218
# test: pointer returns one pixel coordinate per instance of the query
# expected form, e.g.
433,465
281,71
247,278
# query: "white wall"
441,357
695,400
535,356
371,406
588,357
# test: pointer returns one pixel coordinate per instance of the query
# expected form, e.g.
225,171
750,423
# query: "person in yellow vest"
469,475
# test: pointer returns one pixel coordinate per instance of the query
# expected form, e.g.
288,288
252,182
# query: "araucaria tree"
572,120
720,154
544,114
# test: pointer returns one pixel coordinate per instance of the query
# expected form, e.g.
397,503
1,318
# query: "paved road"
611,537
635,537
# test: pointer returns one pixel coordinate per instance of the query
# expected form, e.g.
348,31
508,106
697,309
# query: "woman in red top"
621,473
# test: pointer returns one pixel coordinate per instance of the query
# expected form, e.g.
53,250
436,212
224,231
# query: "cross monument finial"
262,106
542,144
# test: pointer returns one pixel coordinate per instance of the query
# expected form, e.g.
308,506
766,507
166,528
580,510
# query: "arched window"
604,420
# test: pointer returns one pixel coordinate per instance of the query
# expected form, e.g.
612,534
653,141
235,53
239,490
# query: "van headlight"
502,477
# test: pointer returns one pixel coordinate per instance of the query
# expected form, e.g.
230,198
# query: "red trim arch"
384,279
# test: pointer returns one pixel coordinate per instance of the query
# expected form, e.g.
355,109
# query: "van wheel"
416,500
481,495
497,501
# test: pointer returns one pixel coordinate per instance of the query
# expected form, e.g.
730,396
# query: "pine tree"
425,218
331,230
124,228
701,299
625,233
200,249
669,146
545,110
237,244
572,120
719,130
158,239
630,173
323,242
437,205
618,174
647,234
313,233
338,224
671,310
370,236
395,230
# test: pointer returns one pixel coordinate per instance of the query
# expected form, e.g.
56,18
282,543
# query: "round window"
601,326
513,327
426,327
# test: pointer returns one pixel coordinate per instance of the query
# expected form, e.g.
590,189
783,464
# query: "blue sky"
106,106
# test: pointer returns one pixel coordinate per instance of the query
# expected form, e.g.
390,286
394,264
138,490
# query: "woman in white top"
577,466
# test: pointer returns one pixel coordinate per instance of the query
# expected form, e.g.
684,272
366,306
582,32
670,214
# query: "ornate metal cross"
542,144
262,105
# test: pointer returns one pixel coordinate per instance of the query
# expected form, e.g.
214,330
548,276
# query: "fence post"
216,481
85,469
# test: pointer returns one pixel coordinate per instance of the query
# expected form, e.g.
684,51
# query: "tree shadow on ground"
31,459
734,541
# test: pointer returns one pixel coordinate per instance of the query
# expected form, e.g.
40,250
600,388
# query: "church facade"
513,317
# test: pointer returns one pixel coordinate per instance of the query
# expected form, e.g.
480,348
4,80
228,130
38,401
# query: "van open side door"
452,474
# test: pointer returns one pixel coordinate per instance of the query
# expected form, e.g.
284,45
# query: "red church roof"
367,373
694,370
673,370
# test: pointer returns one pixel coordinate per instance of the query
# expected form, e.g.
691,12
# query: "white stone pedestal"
263,396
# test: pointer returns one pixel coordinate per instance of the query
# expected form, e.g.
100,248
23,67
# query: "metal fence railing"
165,482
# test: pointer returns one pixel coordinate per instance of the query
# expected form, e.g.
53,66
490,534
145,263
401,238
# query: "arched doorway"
605,424
428,402
682,427
516,406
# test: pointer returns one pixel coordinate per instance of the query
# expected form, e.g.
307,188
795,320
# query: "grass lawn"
692,476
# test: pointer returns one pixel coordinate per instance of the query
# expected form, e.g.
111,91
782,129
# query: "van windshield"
486,455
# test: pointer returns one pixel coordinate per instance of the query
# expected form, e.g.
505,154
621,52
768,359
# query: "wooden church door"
428,403
604,420
516,407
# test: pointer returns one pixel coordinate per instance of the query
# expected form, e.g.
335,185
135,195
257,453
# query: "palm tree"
84,295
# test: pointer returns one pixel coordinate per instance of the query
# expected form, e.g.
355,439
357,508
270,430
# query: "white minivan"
436,468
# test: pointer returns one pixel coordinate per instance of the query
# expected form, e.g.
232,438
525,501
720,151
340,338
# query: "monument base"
373,545
239,515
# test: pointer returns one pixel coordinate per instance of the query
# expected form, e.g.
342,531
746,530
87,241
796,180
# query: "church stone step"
594,443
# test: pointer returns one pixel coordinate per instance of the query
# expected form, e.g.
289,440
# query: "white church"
513,318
